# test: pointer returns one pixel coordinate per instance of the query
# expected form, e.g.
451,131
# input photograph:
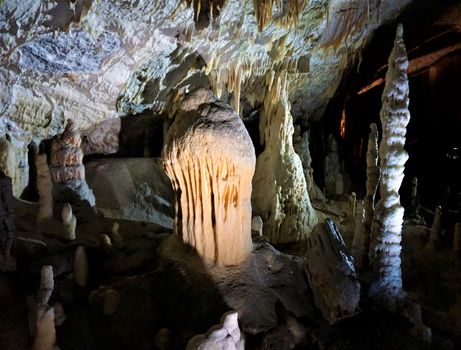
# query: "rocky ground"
167,294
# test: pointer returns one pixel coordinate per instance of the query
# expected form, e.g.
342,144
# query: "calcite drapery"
280,192
209,157
386,287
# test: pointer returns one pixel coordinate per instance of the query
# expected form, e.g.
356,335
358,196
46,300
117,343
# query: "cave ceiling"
90,61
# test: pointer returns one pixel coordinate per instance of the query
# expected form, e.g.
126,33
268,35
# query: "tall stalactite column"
386,288
210,159
280,192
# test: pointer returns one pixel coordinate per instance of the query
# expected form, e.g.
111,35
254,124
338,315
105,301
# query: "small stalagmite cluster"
388,218
210,159
280,194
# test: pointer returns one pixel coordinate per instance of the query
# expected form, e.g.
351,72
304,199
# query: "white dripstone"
210,159
280,192
256,226
225,336
386,288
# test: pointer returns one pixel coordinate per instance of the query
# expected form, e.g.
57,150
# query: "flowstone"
210,159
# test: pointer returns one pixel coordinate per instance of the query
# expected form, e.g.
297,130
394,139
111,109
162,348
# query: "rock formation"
334,182
256,226
210,159
301,146
225,336
362,236
386,287
69,222
107,297
45,189
280,192
67,170
81,268
13,161
331,273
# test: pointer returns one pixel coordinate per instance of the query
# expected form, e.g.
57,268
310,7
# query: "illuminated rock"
280,192
209,157
13,162
69,222
386,288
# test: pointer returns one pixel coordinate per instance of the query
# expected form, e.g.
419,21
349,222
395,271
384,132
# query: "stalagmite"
457,240
69,222
386,288
67,170
116,238
81,268
362,237
45,190
210,159
301,146
225,336
353,204
334,182
280,193
331,273
41,315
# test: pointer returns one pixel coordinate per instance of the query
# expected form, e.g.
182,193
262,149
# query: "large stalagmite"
209,157
280,192
386,287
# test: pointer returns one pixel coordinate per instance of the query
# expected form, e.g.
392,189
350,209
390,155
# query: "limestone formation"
45,189
331,273
13,161
334,182
301,146
210,159
107,297
280,192
67,170
457,240
69,222
225,336
386,288
46,285
81,268
362,237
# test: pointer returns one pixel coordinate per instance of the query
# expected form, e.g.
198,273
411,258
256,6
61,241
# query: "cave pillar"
210,160
386,288
280,194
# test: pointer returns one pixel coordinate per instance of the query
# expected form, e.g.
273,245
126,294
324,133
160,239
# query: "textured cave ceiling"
94,60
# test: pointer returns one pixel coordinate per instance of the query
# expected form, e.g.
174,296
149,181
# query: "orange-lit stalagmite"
209,157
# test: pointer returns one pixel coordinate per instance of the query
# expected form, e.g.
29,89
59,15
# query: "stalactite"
361,244
386,288
209,157
280,192
290,11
